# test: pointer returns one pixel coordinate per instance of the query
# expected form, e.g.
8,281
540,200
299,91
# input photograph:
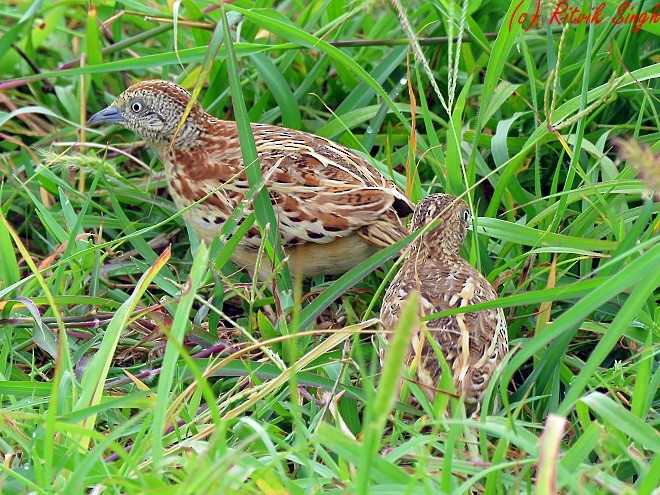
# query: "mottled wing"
323,190
320,190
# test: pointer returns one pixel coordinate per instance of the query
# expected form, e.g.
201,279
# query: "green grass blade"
97,370
179,328
262,206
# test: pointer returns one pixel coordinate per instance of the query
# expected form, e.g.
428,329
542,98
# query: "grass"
135,359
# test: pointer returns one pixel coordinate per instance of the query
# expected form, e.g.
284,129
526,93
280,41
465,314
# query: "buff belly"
307,260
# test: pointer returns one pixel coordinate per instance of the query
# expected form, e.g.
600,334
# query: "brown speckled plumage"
334,208
474,343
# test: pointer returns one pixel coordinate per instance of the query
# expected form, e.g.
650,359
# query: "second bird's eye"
466,215
136,106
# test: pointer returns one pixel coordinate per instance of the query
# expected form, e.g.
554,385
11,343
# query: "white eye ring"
466,216
136,106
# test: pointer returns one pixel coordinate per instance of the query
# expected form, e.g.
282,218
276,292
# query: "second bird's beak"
108,115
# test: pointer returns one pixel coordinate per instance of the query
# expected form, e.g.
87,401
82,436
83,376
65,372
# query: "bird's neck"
437,253
192,133
185,138
437,244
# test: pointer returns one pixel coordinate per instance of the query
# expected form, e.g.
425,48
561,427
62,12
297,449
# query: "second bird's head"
448,235
153,109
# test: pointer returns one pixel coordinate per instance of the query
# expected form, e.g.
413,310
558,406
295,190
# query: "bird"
333,207
473,343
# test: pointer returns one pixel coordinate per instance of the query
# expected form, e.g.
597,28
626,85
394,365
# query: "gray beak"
108,115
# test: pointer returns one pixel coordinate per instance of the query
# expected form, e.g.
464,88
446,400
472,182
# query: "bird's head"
449,235
153,109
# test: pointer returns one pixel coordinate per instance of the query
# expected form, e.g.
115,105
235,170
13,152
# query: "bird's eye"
136,106
466,216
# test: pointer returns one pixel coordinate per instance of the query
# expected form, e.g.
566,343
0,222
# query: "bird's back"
472,343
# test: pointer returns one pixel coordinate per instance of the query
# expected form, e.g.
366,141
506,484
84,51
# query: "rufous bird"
334,209
473,343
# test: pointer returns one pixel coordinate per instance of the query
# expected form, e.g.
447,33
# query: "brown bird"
473,343
334,209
